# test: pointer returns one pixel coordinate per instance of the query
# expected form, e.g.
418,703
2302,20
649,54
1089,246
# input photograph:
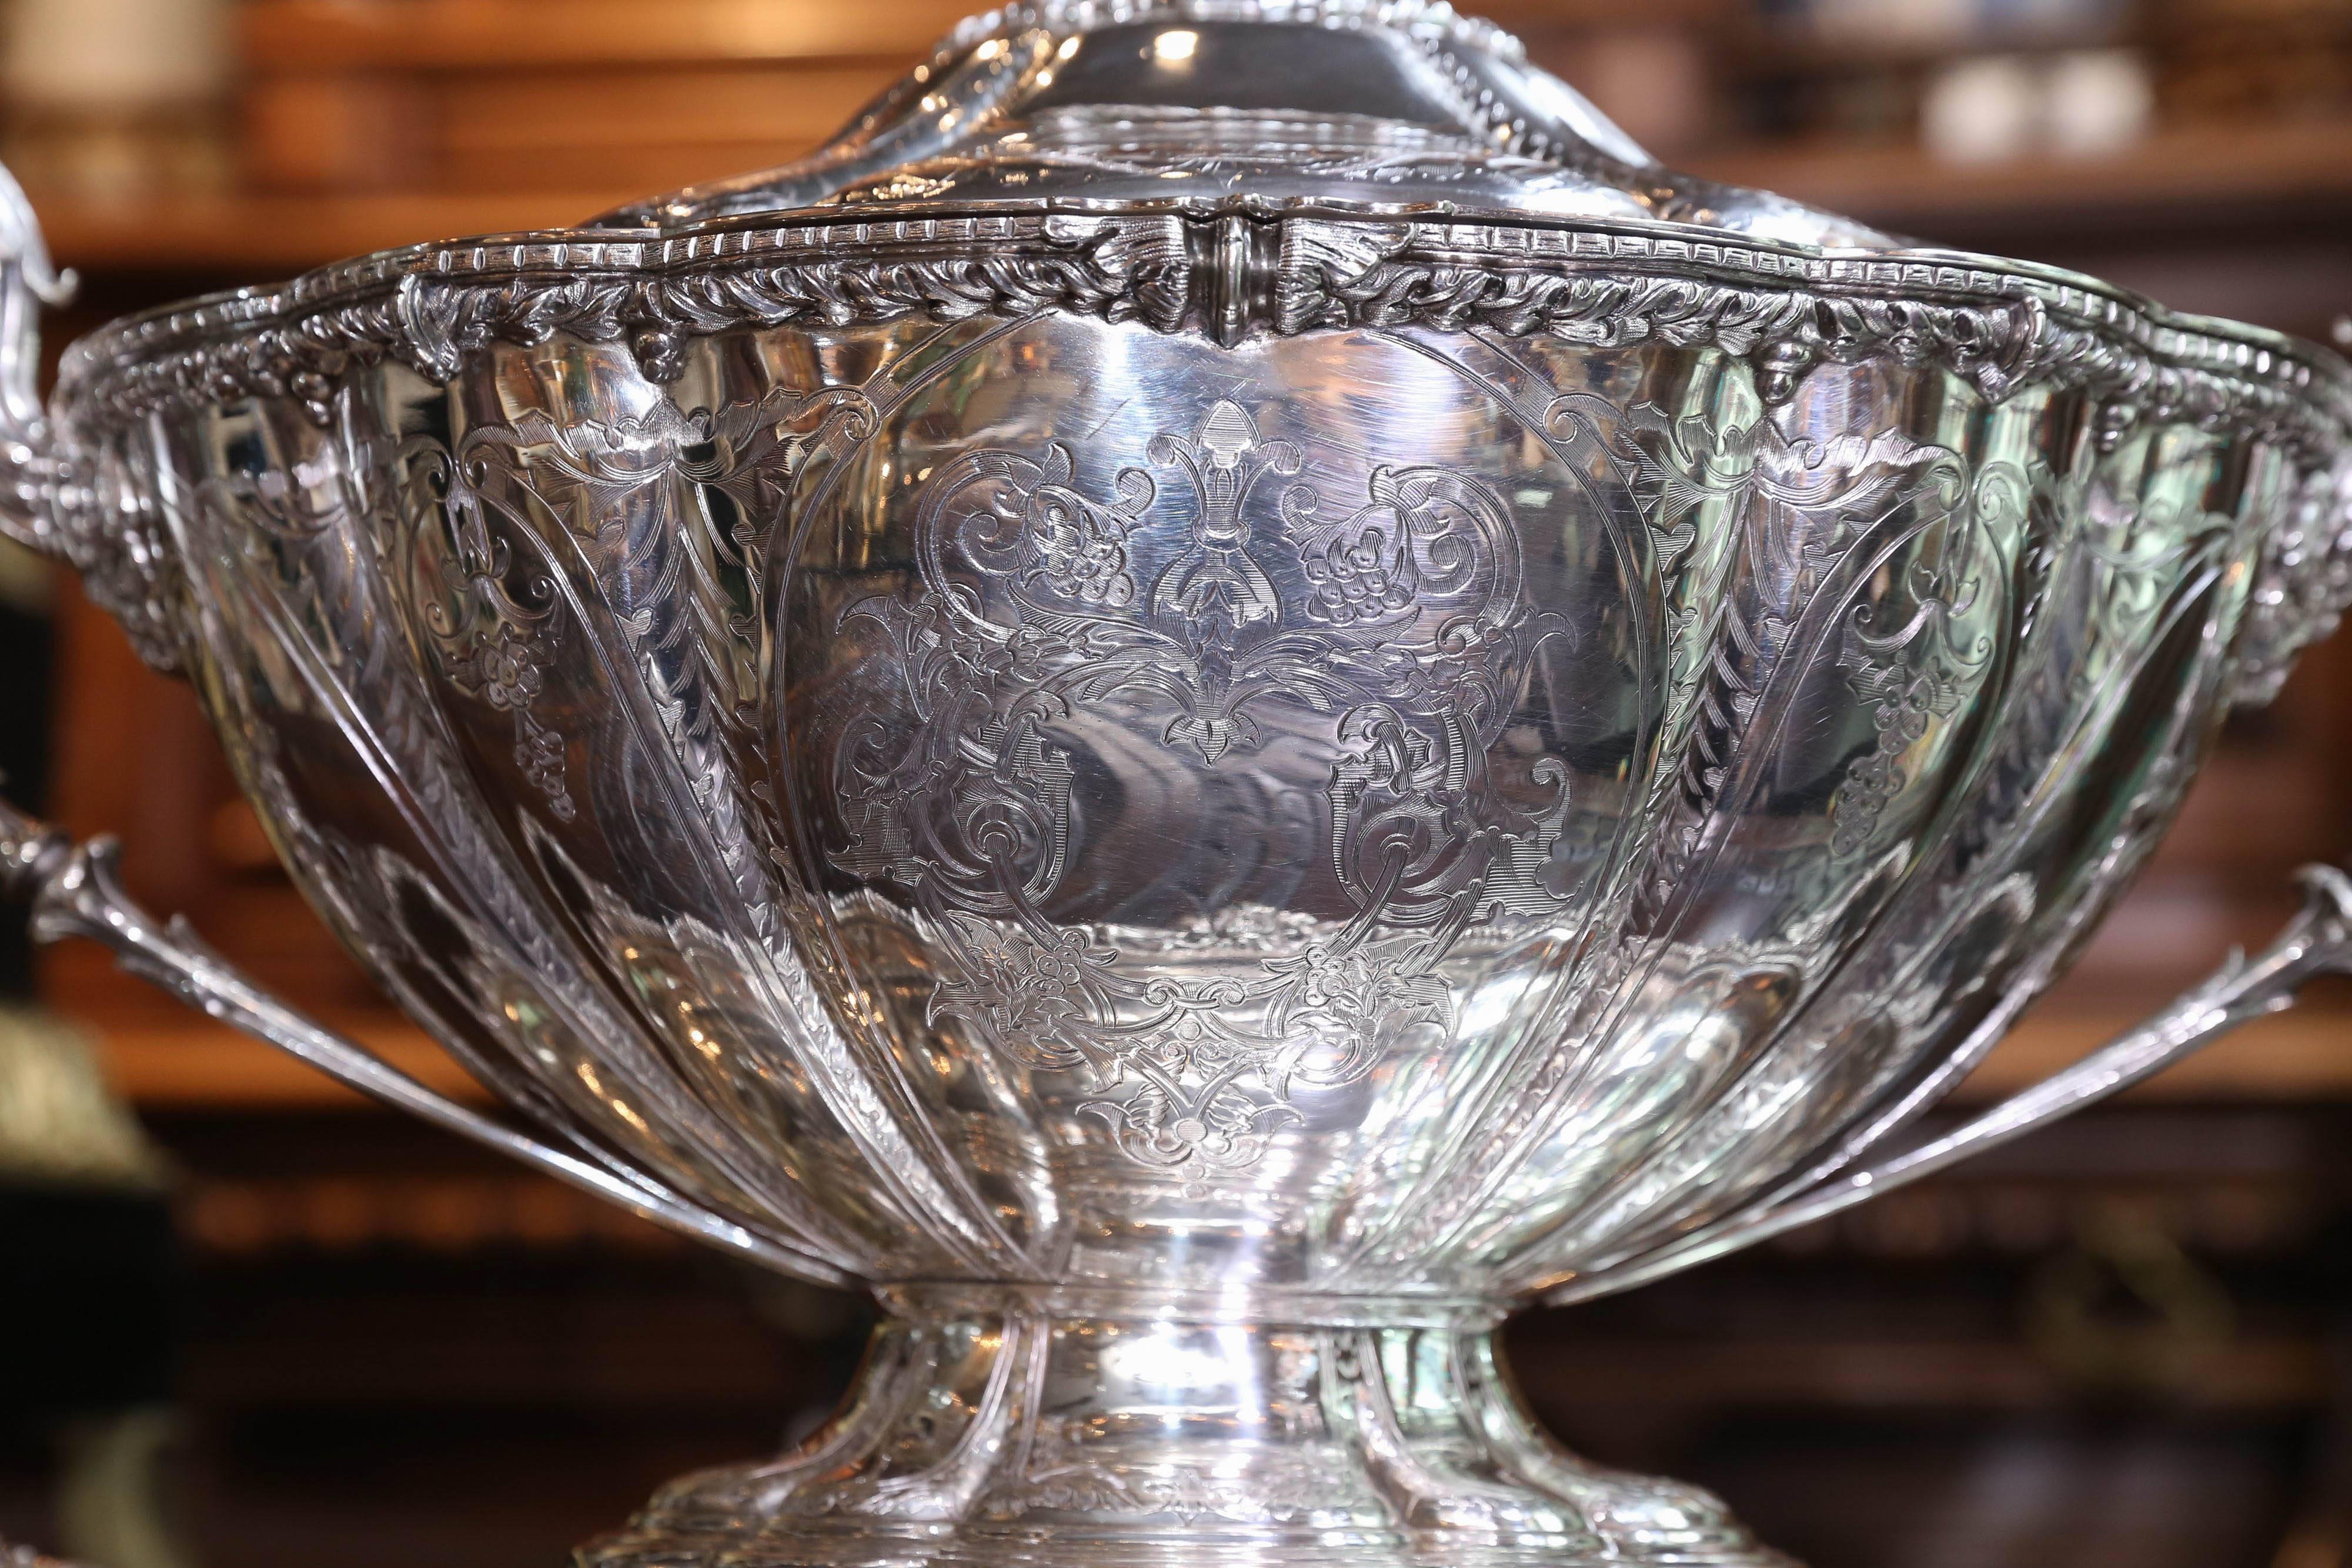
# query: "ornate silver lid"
1234,167
1343,105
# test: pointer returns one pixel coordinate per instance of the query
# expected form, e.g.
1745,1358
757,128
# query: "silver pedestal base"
1013,1428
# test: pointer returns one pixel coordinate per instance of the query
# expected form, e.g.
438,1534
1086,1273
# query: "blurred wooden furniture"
504,94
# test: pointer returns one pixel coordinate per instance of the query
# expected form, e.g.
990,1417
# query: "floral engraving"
1310,1488
1398,623
491,630
1921,668
491,617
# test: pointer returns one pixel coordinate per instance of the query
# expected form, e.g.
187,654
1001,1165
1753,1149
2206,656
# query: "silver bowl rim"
556,257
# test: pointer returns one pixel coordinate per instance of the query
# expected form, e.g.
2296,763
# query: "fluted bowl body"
1398,799
1226,690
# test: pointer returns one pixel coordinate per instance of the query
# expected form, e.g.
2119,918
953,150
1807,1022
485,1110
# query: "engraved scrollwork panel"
2111,590
1228,609
328,699
1867,585
639,546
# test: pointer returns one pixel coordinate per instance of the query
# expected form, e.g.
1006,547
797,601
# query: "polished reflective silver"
1227,693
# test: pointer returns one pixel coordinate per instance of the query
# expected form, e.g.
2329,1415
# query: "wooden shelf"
268,236
2184,167
2247,1374
517,35
509,35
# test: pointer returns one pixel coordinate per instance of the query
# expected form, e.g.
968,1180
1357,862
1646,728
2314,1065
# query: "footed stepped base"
1012,1428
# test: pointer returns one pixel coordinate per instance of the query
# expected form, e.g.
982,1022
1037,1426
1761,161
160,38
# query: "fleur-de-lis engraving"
1214,588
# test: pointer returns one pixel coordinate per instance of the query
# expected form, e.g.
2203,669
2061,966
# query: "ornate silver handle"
32,475
74,891
2317,941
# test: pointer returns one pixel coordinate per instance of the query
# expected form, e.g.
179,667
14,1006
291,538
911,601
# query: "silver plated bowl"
1227,692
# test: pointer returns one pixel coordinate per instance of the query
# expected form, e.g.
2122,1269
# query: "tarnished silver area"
1230,691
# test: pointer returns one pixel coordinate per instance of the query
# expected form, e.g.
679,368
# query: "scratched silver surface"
1229,692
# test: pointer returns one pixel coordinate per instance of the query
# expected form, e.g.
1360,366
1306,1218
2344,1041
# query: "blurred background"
247,1321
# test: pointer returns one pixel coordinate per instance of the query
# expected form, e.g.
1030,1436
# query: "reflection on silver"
1392,657
1229,691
